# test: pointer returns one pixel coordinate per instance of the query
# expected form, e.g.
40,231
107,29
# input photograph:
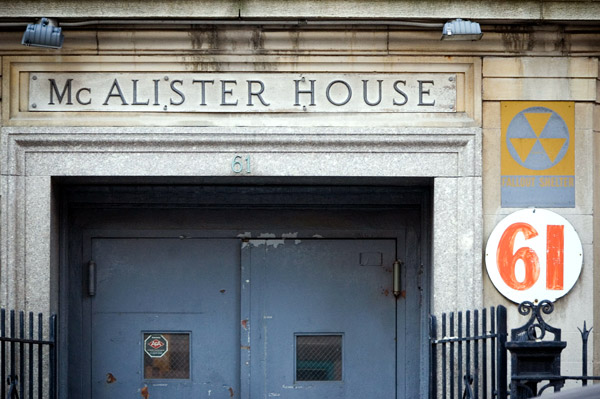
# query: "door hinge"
398,277
91,278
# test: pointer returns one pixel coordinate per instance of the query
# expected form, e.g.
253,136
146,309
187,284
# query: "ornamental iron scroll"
536,327
534,359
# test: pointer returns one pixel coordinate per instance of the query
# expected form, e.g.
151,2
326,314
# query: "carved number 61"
241,164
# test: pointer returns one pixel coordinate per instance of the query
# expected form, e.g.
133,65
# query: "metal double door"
231,318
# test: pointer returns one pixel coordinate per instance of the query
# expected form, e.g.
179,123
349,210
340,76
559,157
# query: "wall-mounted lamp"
461,30
45,33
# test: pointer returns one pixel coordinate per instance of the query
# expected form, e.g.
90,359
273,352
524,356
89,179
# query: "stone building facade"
221,119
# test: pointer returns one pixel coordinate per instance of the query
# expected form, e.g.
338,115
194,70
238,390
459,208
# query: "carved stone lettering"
115,85
60,95
423,92
242,92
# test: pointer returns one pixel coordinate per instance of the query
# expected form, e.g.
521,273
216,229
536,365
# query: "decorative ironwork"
455,373
13,390
536,327
534,359
468,393
585,333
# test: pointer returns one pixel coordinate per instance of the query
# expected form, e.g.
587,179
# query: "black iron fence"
28,356
468,355
536,356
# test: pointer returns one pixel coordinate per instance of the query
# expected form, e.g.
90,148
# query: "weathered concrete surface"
532,10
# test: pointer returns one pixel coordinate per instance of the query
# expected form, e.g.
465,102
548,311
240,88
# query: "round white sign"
532,255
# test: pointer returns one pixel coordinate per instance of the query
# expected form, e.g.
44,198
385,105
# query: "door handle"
397,278
91,278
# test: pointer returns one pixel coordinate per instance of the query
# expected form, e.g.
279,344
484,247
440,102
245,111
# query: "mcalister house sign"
242,92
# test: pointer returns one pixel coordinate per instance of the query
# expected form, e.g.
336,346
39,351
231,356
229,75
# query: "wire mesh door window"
318,358
166,356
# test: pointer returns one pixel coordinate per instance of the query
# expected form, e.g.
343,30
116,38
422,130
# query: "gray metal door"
322,319
165,318
222,318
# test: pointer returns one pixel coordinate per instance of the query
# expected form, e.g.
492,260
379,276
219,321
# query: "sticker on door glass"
156,345
166,355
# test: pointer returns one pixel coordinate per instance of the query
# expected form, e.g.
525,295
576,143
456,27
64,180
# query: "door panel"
321,296
253,310
165,286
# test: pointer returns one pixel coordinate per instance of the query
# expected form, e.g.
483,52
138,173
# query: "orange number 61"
507,259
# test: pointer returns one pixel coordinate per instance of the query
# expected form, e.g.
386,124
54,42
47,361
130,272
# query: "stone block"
582,42
118,9
584,170
445,219
534,89
584,115
387,9
491,115
195,39
490,220
491,170
362,41
457,243
13,243
491,296
524,10
469,238
154,40
557,10
162,163
419,42
11,41
538,67
37,262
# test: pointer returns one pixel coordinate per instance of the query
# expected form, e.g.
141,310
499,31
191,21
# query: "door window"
319,358
166,356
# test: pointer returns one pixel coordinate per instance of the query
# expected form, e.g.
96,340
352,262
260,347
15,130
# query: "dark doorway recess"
174,288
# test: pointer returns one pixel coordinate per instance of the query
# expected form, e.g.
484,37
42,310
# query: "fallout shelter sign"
538,154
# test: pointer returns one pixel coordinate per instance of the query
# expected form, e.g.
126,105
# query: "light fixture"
45,33
461,30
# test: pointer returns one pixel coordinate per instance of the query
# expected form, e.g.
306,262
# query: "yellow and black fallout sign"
538,154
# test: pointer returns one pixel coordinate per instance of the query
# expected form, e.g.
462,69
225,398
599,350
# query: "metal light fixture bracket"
461,30
44,33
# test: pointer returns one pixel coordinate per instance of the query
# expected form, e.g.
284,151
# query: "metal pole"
584,347
502,368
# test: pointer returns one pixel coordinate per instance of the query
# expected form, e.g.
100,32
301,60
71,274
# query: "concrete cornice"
512,10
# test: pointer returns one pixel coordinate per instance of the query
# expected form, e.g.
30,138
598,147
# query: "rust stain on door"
110,378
